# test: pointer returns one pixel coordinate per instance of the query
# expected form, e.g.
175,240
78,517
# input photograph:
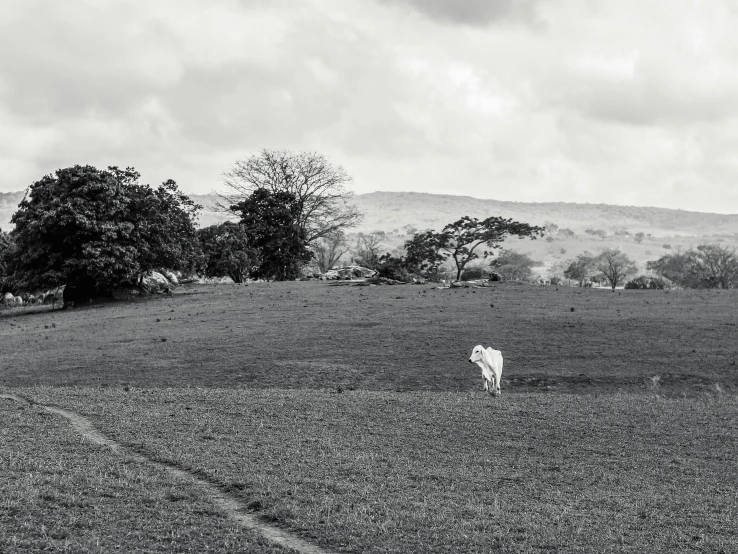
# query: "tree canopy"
228,251
580,268
459,240
322,201
615,266
271,222
94,230
707,266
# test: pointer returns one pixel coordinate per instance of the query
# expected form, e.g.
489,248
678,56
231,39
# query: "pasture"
350,416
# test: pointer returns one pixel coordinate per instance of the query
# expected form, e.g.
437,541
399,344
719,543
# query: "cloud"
576,100
473,12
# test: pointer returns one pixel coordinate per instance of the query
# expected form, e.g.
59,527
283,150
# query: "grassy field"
59,493
350,416
309,335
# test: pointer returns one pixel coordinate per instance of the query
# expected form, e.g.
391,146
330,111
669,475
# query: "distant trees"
580,268
615,266
94,230
368,250
321,201
596,232
228,251
459,240
272,227
512,265
707,266
329,248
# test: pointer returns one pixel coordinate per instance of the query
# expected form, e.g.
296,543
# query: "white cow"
9,300
490,361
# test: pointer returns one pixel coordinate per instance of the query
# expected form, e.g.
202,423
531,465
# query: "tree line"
95,230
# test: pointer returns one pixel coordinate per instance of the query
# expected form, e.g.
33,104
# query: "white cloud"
573,100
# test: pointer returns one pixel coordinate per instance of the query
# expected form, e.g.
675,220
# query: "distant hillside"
387,211
393,210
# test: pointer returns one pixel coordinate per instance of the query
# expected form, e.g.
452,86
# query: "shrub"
646,282
473,273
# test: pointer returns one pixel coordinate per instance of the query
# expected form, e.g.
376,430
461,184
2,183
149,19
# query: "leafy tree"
228,251
7,246
512,265
580,268
94,230
368,248
708,266
321,199
393,267
271,222
460,239
615,266
329,248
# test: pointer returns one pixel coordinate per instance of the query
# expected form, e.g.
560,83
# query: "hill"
390,211
393,210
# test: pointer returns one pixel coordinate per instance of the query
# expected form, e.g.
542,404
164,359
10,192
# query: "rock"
171,276
155,281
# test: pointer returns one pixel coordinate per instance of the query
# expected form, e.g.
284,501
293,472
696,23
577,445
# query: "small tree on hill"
94,230
270,220
615,266
228,252
459,240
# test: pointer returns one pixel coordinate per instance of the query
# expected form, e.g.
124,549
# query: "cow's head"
476,355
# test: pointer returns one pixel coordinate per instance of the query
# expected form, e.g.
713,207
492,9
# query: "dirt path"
229,504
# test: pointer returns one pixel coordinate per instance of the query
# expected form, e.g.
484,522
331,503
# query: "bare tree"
615,266
368,249
317,185
329,248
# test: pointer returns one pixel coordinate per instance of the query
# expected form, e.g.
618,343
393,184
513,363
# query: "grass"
313,336
350,415
450,472
60,493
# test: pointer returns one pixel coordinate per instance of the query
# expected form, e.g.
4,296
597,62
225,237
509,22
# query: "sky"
621,102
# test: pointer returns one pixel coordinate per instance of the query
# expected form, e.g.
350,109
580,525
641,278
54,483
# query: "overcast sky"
616,101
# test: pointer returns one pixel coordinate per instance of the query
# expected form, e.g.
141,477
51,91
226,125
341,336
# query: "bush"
392,267
648,282
474,273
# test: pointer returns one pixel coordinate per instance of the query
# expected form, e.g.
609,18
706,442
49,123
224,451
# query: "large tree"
228,251
270,220
461,239
94,230
318,186
615,266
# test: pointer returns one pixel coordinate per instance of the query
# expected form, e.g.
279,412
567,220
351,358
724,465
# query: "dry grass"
411,456
449,472
59,493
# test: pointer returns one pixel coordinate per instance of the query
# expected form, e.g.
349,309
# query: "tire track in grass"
229,504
